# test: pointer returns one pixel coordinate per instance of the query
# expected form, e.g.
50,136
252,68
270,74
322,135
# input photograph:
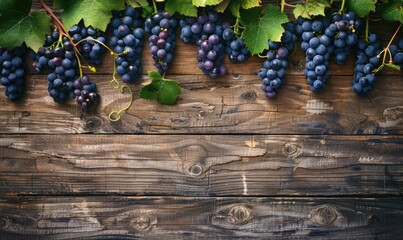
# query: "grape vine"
76,39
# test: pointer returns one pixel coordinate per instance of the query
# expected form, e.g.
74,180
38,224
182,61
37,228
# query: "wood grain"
196,218
201,165
230,105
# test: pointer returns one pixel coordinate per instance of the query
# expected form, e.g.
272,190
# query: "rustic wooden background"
223,162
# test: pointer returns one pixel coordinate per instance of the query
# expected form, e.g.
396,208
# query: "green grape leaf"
17,25
164,90
250,15
361,7
311,8
147,11
96,13
149,91
137,3
222,6
394,66
247,4
236,5
392,11
154,75
203,3
169,91
184,7
235,8
258,31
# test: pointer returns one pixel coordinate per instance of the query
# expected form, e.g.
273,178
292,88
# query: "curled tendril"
114,116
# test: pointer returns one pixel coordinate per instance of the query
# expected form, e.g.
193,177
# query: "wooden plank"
195,218
231,105
244,165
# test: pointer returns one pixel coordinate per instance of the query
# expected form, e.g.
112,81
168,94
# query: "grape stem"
367,29
64,32
284,4
342,6
155,7
386,50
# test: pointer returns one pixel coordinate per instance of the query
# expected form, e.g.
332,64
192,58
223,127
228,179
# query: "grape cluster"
161,27
236,48
207,31
41,57
273,71
191,29
318,47
397,53
211,46
12,72
343,31
63,64
128,41
367,62
90,49
85,92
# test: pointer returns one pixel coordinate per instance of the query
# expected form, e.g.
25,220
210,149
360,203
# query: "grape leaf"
361,7
250,15
96,13
203,3
392,10
258,31
394,66
154,75
247,4
17,25
184,7
169,91
164,90
311,8
235,7
222,6
149,91
137,3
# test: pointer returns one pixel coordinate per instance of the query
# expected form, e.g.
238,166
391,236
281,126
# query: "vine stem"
155,7
284,4
367,29
342,6
63,32
390,42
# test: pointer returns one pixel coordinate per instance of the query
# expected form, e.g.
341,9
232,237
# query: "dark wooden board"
202,165
199,218
228,105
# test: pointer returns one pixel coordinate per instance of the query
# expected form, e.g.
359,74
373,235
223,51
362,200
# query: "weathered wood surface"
200,218
229,105
333,171
201,165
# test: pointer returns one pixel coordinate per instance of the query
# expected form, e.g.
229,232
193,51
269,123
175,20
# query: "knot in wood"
323,215
292,149
141,223
249,96
92,124
239,215
196,170
25,114
4,223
